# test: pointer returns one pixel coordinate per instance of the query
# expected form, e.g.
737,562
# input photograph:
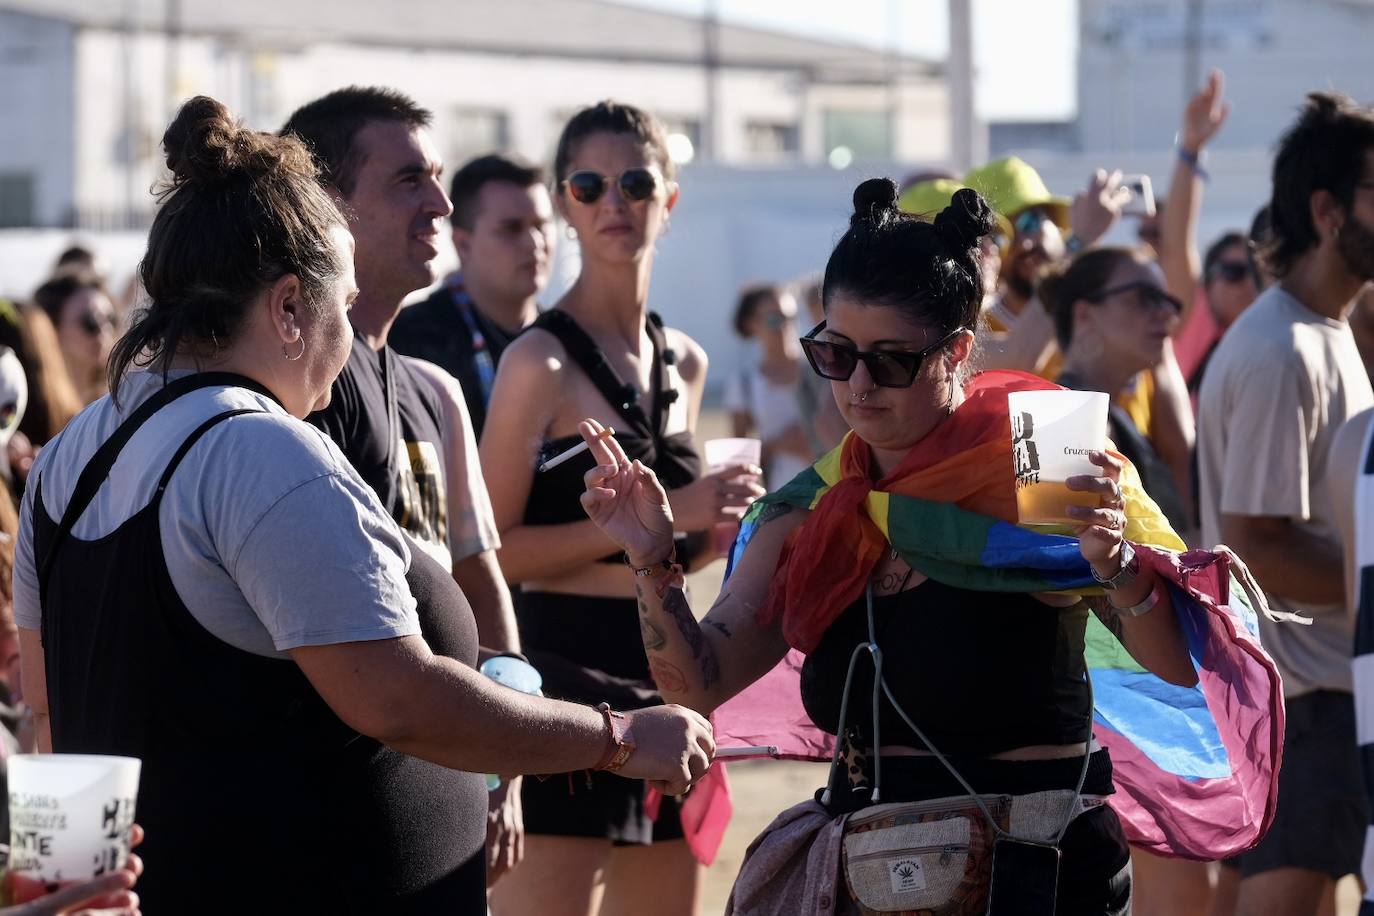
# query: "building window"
476,132
16,199
769,141
866,134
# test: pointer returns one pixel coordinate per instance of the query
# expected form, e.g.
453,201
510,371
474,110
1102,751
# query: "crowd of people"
265,525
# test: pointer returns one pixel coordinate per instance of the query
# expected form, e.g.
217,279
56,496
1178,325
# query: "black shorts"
589,651
1322,811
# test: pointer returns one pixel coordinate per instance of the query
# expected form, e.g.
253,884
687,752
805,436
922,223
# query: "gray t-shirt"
272,540
1279,386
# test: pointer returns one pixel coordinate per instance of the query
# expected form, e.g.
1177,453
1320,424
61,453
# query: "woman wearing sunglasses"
1113,319
84,315
991,677
601,353
762,398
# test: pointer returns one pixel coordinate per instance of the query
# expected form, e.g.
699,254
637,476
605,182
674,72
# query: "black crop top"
979,672
555,494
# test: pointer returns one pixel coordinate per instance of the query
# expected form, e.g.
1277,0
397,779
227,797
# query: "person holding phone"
902,298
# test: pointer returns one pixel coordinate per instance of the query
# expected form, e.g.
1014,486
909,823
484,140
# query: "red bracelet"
620,744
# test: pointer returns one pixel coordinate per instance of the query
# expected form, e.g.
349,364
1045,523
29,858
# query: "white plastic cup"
71,814
1052,433
723,452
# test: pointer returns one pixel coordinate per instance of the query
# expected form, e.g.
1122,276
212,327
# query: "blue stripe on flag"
1171,725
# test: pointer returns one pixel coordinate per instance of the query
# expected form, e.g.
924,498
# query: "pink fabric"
793,867
1197,337
705,812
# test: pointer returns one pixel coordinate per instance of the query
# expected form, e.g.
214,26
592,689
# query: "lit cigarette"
757,750
573,452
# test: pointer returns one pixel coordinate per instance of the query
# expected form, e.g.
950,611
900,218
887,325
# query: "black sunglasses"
93,324
888,368
1230,271
1146,295
586,187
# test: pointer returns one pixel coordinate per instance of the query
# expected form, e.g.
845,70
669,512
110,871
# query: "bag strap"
881,689
393,420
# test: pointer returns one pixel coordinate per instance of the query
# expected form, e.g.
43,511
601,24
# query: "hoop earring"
289,357
570,233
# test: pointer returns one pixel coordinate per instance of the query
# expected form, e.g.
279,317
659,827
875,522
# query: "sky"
1010,39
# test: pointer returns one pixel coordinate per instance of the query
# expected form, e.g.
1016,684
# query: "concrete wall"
37,107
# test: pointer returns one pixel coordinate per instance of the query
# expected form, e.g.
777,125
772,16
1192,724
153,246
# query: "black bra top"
555,494
978,672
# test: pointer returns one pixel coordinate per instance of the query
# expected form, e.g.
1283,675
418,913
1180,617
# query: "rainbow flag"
1196,769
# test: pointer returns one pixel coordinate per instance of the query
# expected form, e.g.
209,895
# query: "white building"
1135,55
86,86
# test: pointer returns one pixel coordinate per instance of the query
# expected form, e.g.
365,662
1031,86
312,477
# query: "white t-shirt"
471,522
774,410
271,539
1280,384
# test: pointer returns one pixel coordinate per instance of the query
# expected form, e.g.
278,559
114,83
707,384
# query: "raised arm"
1178,249
699,665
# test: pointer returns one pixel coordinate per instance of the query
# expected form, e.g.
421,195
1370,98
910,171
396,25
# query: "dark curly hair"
241,210
1323,151
927,270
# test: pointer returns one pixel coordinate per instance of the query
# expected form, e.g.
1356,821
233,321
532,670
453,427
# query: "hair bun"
204,143
874,199
966,220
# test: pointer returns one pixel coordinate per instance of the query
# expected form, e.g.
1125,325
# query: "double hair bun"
959,225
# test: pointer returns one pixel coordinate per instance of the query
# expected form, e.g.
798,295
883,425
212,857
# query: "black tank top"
555,494
979,672
244,765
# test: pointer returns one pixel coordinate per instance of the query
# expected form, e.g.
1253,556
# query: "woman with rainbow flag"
946,648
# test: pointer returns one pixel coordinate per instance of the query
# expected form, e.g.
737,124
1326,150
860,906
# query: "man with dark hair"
403,424
503,231
1282,381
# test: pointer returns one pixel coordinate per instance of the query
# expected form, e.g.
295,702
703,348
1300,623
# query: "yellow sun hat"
927,198
1010,185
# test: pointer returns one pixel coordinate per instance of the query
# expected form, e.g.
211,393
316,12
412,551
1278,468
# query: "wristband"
1194,162
1138,610
620,742
667,564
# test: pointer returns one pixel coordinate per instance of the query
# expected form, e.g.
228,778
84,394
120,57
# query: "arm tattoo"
652,636
666,675
675,603
1112,621
774,511
719,627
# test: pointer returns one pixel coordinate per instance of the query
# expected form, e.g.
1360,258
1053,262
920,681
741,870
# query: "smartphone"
1025,878
1142,202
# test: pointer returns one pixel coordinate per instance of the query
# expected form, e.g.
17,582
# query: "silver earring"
289,357
570,233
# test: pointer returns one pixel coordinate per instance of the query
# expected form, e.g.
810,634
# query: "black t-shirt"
399,453
447,330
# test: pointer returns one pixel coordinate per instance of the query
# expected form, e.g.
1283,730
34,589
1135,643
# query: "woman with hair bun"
980,665
204,582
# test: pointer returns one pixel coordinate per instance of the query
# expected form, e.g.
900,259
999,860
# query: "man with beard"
1281,383
1044,230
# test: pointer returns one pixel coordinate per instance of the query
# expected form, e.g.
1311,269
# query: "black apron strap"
393,424
98,468
589,357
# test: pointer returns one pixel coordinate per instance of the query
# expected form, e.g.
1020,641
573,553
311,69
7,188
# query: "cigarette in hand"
757,750
573,452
